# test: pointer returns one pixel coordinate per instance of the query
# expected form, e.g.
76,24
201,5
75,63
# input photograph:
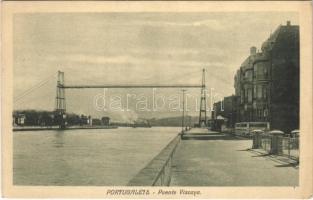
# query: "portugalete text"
128,192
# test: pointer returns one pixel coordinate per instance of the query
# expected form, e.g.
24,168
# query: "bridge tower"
60,106
202,115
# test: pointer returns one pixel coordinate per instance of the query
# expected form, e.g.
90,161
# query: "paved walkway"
225,161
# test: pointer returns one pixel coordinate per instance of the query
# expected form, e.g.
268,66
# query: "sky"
132,48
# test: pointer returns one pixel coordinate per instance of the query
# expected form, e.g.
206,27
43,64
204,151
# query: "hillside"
173,121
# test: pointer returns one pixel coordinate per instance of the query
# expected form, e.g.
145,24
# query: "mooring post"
256,140
276,143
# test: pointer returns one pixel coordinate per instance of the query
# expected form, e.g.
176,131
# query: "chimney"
288,23
252,50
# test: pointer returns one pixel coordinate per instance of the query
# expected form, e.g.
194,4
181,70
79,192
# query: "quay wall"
158,171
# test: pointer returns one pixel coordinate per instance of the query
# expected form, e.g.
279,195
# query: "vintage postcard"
156,99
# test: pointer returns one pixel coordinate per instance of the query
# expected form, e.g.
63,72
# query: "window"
265,72
260,113
264,92
254,71
254,91
242,96
249,95
260,70
265,112
259,92
246,94
248,75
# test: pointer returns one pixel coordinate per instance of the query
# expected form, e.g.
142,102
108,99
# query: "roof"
269,43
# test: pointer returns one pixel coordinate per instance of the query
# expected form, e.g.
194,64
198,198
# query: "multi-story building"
230,110
217,118
267,83
217,110
225,111
19,119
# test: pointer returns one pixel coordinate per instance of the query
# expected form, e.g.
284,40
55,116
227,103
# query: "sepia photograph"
143,99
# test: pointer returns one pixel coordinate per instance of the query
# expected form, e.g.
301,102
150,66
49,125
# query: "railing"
277,144
164,176
290,147
266,143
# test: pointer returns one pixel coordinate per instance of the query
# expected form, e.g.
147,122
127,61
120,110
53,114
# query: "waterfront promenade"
206,158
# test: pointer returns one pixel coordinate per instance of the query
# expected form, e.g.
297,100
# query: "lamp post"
183,117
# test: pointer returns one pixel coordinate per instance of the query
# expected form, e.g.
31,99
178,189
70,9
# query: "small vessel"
141,124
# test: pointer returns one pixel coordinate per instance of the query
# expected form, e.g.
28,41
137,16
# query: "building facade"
225,112
105,121
19,119
267,82
230,110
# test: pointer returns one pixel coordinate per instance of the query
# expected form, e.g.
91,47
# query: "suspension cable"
35,87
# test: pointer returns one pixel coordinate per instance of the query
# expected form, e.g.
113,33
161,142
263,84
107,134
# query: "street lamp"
183,117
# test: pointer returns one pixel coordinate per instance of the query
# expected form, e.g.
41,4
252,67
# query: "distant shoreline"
35,128
39,128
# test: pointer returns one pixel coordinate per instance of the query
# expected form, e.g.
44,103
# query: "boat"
141,124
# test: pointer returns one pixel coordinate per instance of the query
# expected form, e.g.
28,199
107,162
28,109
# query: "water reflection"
59,139
59,163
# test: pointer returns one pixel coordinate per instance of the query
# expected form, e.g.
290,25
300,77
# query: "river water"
94,157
